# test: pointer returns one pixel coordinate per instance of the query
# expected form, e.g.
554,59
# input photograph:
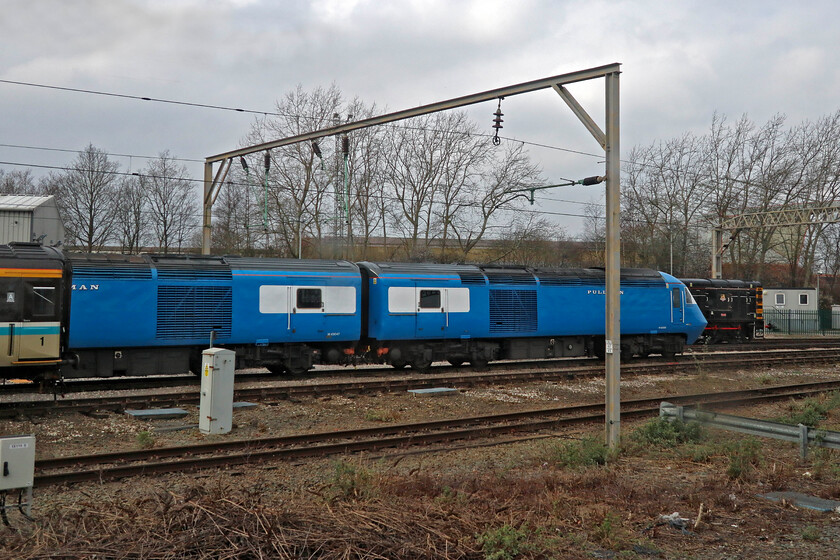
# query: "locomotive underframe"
729,332
420,354
109,362
295,359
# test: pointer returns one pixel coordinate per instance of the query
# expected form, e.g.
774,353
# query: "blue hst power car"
425,312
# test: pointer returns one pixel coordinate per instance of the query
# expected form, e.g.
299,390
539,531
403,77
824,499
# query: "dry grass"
535,509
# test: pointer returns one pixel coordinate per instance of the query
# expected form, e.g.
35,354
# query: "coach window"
43,303
309,298
803,299
10,307
689,298
429,299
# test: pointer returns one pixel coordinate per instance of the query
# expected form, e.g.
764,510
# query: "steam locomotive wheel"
276,369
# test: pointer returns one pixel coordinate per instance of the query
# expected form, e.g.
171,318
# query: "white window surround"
339,300
407,300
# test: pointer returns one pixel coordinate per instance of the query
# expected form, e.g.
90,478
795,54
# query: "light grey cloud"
681,62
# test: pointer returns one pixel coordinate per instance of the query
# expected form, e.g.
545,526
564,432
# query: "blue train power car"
141,315
423,312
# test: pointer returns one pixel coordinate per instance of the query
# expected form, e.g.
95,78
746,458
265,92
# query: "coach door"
439,309
677,308
307,305
11,315
431,315
30,321
37,338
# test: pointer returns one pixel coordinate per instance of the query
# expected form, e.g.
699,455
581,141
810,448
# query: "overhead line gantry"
608,140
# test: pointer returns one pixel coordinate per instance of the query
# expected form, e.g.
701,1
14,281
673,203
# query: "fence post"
803,441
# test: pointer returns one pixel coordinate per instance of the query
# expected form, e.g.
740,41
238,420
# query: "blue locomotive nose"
695,323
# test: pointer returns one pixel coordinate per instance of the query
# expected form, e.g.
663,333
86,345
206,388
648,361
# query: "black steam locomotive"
734,309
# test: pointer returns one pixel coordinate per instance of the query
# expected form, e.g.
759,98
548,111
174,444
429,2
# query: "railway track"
230,453
189,380
457,378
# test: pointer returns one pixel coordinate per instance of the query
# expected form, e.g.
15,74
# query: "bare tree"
86,195
594,235
816,149
18,183
416,156
666,193
447,184
171,199
366,174
299,183
679,189
530,240
506,172
238,217
131,229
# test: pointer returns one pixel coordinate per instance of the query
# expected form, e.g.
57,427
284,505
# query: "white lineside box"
17,461
215,412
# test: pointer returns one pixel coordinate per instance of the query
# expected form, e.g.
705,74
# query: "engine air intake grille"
115,271
191,274
472,278
191,312
513,311
511,278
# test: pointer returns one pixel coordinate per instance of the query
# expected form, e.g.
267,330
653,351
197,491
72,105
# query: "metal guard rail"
776,430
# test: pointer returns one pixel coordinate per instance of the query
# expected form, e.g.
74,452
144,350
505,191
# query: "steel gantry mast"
608,140
773,218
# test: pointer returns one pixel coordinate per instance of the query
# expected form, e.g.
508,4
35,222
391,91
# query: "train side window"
43,301
675,298
309,298
429,299
11,306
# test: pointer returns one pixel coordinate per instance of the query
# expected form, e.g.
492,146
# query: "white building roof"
23,202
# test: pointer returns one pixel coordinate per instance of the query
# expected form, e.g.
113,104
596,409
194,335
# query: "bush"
379,415
744,456
145,439
810,534
661,432
586,452
350,482
503,543
811,411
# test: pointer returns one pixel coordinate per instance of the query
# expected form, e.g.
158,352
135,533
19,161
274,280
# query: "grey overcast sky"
682,61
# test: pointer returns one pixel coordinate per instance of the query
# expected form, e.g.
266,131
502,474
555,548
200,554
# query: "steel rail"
189,380
410,434
462,380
